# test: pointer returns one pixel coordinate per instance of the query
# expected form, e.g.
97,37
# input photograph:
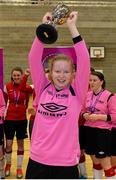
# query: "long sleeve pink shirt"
55,132
103,106
2,106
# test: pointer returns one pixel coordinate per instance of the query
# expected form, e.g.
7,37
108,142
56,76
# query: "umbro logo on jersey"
53,107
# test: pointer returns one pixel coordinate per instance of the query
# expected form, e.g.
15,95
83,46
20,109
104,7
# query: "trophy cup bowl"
47,32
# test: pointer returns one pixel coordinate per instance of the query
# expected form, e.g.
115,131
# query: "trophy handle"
46,33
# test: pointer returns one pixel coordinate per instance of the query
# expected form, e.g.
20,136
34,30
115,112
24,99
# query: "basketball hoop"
97,52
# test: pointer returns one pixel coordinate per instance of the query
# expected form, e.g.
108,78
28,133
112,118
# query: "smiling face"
61,71
61,74
95,83
16,76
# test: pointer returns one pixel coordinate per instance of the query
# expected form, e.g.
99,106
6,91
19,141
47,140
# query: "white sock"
97,174
82,169
8,158
19,161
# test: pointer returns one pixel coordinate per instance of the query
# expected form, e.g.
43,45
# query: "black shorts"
113,142
37,170
18,128
97,142
1,134
82,137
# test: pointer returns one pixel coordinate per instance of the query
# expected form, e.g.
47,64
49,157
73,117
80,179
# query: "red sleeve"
23,83
28,89
24,86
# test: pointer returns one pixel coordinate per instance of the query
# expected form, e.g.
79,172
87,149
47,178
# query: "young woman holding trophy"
55,151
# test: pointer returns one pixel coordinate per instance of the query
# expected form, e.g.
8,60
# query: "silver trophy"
47,32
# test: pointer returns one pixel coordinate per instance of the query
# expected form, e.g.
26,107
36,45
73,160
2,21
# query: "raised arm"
36,67
35,60
83,60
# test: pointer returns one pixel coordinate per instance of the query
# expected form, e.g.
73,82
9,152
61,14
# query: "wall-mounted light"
97,52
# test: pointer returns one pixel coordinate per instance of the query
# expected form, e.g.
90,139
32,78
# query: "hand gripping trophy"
47,32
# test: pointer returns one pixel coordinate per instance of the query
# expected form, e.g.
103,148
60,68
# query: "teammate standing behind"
15,120
99,112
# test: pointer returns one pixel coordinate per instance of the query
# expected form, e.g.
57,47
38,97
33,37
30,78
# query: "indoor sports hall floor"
26,156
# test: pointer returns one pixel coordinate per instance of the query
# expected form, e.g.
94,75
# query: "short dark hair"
100,76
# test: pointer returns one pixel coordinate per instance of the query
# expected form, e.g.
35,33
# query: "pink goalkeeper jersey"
55,133
102,105
2,106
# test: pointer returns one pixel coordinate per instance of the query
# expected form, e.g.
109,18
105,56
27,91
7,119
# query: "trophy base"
46,33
